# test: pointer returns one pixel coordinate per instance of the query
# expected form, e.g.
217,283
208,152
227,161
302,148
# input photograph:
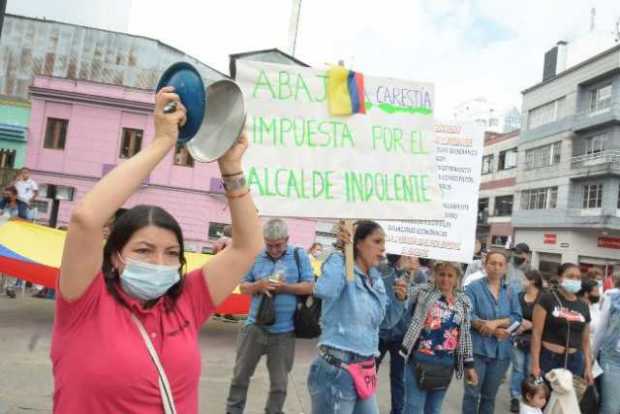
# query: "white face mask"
148,281
571,285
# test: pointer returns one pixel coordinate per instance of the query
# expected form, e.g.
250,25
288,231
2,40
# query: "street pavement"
26,384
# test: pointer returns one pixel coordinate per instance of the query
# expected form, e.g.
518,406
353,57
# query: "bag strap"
164,387
298,263
567,330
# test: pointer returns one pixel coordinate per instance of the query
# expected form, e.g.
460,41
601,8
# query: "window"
55,134
216,230
493,122
131,142
507,159
483,210
595,144
539,198
7,158
182,156
619,196
600,98
487,164
546,113
41,206
544,156
503,206
499,240
592,195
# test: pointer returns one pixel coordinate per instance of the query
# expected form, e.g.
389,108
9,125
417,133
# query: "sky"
467,48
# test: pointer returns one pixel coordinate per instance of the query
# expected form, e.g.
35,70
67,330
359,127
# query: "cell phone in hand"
513,328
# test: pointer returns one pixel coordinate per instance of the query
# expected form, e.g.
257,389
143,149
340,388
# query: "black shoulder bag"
308,311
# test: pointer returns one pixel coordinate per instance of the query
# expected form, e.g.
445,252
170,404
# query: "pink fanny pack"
364,376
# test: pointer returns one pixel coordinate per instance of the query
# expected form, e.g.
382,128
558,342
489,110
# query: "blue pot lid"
188,84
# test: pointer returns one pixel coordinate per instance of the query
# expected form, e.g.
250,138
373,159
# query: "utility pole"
293,27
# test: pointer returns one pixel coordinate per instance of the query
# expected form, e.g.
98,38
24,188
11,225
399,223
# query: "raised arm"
82,255
224,272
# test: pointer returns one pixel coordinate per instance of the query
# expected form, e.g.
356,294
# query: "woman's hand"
167,125
501,334
400,289
343,236
587,375
471,376
535,369
230,162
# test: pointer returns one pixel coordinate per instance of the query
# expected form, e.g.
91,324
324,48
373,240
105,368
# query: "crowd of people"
17,203
132,304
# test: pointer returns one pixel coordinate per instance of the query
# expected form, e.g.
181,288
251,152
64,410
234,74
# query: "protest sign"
302,162
459,161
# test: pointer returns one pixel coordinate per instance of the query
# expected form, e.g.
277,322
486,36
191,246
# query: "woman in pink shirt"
122,311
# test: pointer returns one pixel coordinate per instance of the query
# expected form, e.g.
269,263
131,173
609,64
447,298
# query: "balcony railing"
596,117
602,160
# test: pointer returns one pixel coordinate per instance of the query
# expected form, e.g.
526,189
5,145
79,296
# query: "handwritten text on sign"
304,163
459,161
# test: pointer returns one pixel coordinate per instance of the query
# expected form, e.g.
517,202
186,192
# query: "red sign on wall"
609,242
550,238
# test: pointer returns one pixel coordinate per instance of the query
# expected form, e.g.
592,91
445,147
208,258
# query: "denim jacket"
484,306
396,332
352,312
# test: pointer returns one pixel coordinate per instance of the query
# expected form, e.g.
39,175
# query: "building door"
549,264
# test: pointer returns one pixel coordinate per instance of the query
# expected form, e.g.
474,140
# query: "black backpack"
307,315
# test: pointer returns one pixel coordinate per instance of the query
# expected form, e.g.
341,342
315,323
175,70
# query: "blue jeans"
610,397
332,391
480,398
520,370
420,401
22,208
550,360
397,372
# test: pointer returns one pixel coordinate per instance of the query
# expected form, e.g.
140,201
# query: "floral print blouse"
440,335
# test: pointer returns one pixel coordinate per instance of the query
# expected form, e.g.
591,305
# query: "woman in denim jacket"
438,336
351,315
607,347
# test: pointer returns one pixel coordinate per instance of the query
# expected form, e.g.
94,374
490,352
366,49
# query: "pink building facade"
80,130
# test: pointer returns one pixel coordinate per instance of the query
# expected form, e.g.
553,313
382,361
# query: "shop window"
55,133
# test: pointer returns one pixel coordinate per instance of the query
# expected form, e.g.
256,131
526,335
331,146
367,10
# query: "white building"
488,115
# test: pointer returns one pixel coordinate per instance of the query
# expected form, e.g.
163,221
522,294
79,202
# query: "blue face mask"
148,281
571,285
